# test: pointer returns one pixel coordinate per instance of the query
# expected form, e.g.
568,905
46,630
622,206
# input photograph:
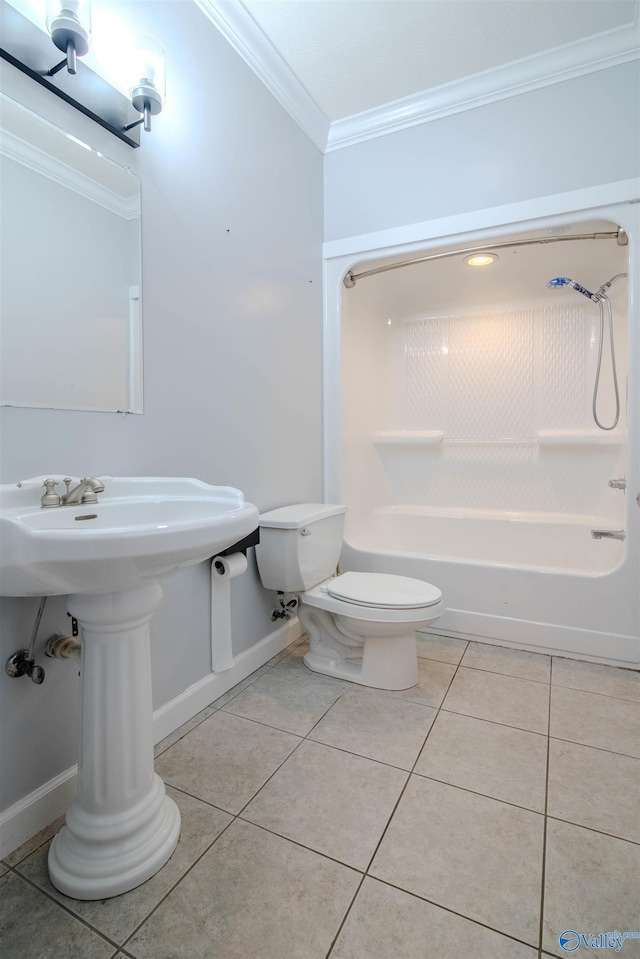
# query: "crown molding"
522,76
29,156
247,39
572,60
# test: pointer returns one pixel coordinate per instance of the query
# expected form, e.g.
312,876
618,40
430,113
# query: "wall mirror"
70,299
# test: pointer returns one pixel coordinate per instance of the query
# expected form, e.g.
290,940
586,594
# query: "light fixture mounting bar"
26,47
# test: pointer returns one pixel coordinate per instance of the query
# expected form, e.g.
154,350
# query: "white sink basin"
109,557
141,528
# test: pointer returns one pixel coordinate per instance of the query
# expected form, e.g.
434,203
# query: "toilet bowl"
361,625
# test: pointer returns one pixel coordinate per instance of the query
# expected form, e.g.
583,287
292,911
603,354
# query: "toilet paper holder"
225,566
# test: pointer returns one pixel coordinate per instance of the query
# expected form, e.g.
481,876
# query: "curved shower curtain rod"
619,235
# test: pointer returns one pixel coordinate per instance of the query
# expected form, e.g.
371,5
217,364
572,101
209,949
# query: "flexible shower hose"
596,385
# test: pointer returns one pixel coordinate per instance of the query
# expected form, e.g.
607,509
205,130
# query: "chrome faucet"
84,492
608,533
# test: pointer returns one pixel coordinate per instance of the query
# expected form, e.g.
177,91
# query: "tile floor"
476,816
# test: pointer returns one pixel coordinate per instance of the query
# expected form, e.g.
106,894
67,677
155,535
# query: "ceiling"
350,69
353,55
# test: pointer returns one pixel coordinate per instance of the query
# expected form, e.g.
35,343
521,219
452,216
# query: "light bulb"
481,259
69,23
148,78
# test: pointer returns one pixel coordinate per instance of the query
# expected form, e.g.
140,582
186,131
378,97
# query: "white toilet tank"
299,545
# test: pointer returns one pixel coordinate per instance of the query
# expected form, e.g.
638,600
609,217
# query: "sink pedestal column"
121,827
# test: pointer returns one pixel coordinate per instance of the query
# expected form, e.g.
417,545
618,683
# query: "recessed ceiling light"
482,259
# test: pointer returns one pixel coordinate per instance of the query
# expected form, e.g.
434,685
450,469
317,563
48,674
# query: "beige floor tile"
385,922
300,641
445,649
225,760
233,692
329,800
253,895
499,761
592,720
292,698
512,662
591,886
500,699
594,678
4,869
433,683
34,927
377,727
595,788
118,917
473,855
177,734
295,654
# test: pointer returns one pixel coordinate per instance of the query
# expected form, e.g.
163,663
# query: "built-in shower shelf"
409,437
581,438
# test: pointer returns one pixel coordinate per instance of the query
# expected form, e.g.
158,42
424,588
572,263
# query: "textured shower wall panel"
490,376
490,381
563,348
426,345
498,375
373,365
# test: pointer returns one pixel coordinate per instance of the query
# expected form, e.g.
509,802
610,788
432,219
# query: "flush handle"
305,532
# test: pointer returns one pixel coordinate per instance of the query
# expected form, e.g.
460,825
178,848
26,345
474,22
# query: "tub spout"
608,533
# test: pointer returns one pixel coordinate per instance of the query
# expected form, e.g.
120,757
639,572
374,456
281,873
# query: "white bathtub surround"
462,438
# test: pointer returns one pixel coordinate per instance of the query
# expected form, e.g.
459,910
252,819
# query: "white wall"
564,137
232,231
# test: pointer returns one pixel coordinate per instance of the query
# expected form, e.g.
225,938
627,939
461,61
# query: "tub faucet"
608,533
84,492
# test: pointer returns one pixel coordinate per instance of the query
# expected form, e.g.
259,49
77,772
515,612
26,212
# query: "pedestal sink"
110,558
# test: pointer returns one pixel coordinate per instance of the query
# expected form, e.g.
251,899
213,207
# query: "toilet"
361,626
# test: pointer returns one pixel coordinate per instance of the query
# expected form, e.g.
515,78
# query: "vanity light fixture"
69,23
481,259
27,46
148,79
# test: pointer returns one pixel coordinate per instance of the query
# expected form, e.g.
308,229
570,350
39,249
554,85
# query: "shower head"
565,281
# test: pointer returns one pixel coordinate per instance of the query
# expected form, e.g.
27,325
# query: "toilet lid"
383,590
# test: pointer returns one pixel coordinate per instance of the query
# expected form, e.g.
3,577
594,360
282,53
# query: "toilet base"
387,662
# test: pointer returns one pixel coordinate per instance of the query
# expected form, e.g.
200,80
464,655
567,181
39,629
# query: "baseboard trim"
177,711
547,638
46,803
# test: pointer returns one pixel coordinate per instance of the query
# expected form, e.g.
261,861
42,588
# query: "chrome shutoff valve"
21,664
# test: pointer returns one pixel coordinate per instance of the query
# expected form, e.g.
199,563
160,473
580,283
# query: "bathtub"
543,541
537,581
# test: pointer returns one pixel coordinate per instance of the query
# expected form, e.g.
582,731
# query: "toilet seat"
321,597
383,591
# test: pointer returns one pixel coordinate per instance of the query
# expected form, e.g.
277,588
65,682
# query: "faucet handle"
50,498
